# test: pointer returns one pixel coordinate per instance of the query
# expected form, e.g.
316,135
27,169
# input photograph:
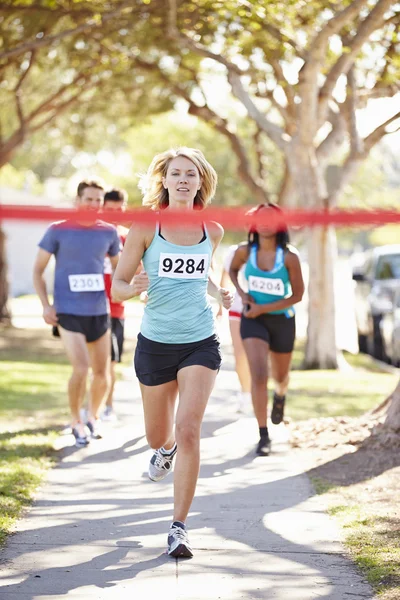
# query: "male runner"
80,308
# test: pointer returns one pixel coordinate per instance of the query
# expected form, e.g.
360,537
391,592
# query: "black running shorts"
278,331
93,328
117,339
157,363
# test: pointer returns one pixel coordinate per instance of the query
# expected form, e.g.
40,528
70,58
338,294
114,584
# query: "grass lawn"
328,393
33,407
368,514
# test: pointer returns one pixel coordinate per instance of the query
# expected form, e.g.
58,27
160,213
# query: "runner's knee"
80,371
187,435
259,374
156,438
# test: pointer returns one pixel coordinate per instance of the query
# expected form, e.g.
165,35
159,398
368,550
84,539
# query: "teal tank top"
178,310
269,286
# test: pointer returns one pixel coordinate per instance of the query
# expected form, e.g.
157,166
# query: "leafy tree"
300,71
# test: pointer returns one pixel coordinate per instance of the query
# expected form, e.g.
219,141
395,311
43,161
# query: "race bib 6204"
86,283
266,285
183,266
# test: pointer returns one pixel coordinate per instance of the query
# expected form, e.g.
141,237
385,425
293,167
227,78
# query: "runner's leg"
280,366
77,353
159,407
257,355
99,354
195,385
241,364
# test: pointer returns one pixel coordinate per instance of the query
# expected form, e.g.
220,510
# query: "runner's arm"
239,259
221,294
125,283
41,262
114,261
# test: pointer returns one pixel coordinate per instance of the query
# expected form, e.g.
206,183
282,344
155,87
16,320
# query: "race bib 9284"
183,266
92,282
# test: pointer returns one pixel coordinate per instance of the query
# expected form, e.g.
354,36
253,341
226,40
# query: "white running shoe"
161,464
178,542
244,402
94,428
109,415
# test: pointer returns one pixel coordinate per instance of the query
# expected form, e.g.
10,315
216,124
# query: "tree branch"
374,137
310,71
354,159
47,40
58,109
356,143
174,34
259,154
370,24
334,25
335,137
269,95
276,133
285,85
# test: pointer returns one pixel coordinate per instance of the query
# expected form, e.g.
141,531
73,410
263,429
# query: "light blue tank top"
269,286
178,310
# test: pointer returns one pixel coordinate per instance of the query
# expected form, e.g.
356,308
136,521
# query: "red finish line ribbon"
233,218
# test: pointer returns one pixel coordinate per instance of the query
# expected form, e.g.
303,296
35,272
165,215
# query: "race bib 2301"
86,282
183,266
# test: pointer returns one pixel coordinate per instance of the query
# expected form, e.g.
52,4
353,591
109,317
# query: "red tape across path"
234,218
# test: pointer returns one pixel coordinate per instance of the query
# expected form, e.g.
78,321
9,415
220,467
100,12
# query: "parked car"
390,331
377,278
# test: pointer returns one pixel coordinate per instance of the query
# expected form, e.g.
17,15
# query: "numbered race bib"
266,285
183,266
86,283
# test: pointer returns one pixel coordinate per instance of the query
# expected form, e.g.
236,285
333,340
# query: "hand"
50,315
226,298
140,283
251,310
246,298
144,297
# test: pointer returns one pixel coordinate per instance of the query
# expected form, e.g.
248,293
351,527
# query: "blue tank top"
178,310
269,286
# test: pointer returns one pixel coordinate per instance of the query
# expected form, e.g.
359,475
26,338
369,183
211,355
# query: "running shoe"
81,439
94,429
244,402
263,446
278,408
178,541
161,464
109,415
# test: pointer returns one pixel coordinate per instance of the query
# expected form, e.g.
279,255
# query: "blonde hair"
154,193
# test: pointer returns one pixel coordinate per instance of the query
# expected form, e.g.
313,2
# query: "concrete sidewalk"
99,526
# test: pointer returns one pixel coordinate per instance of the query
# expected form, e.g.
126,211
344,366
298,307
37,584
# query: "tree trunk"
5,313
392,420
321,352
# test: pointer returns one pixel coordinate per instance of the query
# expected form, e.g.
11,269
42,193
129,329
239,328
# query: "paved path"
98,529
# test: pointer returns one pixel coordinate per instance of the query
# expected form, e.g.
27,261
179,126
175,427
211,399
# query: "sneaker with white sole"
244,402
109,415
178,541
81,439
94,428
161,463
